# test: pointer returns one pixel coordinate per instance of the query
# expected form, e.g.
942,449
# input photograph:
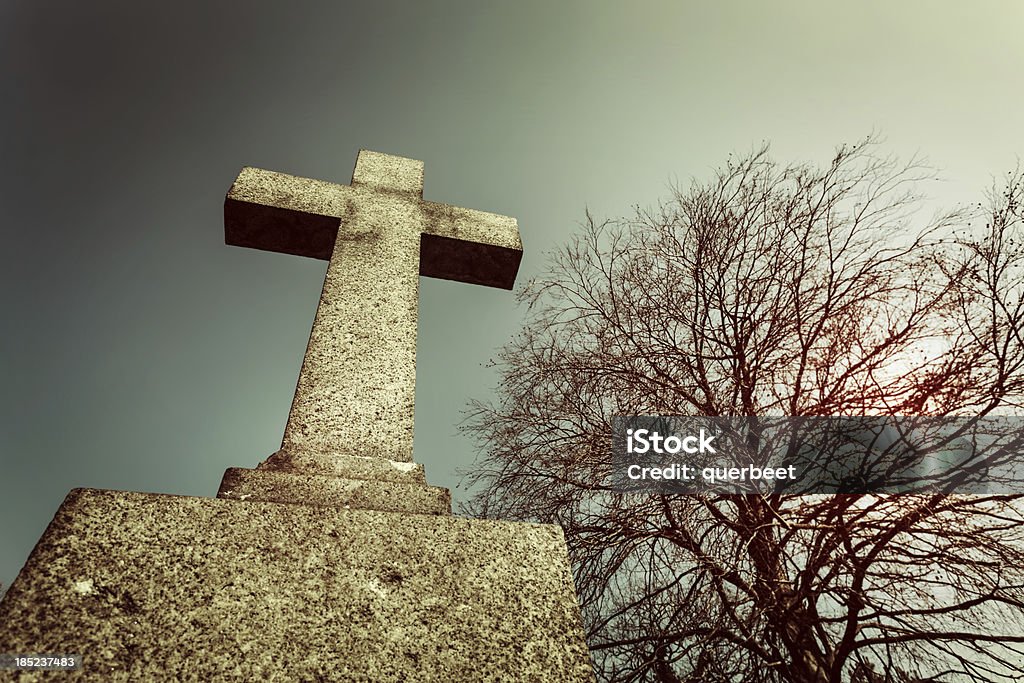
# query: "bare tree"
773,290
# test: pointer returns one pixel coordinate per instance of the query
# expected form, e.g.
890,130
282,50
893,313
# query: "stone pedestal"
151,587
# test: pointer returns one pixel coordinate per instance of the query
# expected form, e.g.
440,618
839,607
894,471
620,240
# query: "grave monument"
332,560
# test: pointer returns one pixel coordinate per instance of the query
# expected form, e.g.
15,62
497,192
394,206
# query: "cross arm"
470,246
284,213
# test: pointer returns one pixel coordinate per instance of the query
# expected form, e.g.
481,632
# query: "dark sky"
139,352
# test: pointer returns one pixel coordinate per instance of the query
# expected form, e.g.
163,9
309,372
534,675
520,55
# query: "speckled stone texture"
357,384
151,587
309,489
347,466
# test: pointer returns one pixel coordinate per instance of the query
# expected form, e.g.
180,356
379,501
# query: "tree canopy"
773,289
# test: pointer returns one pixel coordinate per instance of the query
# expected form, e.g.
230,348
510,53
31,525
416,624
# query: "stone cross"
356,390
320,563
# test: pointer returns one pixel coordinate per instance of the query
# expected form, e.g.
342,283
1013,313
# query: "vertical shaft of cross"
356,389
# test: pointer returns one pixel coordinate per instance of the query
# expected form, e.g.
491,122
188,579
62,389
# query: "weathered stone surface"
151,587
310,489
357,384
346,466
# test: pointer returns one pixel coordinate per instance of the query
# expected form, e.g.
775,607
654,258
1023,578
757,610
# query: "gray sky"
139,352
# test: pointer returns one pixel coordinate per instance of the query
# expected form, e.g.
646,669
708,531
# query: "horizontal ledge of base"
311,489
345,466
